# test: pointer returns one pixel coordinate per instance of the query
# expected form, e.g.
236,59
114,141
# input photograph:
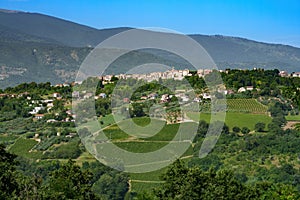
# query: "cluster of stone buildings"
174,74
155,76
286,74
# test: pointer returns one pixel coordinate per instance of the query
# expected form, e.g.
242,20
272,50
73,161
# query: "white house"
185,98
39,116
250,88
102,95
165,98
56,95
206,96
296,74
36,110
242,89
283,73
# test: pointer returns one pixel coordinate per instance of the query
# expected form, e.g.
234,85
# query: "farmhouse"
296,74
51,121
39,116
102,95
283,74
250,88
206,96
56,95
36,110
242,89
165,98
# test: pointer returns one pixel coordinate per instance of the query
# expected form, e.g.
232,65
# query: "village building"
296,74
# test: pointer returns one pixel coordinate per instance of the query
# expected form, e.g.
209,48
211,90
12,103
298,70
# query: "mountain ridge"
42,45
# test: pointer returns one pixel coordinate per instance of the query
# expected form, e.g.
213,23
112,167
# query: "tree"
267,190
260,126
274,128
202,130
8,175
112,186
245,130
181,182
193,183
225,129
13,184
137,110
114,79
70,182
236,129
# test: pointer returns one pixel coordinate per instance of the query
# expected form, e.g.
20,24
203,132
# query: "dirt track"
290,125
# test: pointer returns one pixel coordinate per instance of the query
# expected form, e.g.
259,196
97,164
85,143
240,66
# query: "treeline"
35,90
264,82
24,179
182,182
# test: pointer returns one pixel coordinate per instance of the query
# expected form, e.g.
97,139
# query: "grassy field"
165,134
137,186
109,120
293,117
146,181
22,147
235,119
149,176
141,147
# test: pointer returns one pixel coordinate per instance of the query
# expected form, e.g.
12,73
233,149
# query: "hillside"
36,47
62,31
233,52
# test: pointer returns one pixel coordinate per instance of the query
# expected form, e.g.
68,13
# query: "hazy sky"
276,21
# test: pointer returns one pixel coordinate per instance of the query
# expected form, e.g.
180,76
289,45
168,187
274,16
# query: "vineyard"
246,105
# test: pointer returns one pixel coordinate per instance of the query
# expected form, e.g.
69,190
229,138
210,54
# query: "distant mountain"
233,52
59,30
36,47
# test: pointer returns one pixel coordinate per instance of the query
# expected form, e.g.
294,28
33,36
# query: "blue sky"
275,21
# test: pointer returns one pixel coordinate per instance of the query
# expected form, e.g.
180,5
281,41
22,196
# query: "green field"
165,134
109,120
246,116
141,147
22,147
293,117
144,181
7,138
137,186
245,105
235,119
147,181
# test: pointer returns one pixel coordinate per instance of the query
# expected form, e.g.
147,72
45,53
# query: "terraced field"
22,147
132,143
246,105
